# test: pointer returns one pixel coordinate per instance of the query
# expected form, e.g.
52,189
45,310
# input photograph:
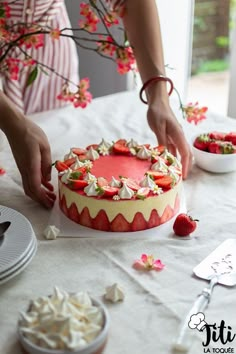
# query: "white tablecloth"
155,302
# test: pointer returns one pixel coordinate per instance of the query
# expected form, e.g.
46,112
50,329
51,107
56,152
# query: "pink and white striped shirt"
60,55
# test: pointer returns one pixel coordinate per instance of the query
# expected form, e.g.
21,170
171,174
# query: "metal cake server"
219,268
3,227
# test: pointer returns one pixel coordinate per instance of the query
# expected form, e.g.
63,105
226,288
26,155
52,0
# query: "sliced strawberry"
78,151
155,174
121,142
154,219
167,214
85,218
60,166
77,183
83,157
132,184
143,192
231,137
101,182
93,146
63,205
202,142
120,224
73,213
101,221
217,136
139,223
164,182
147,146
70,161
121,149
108,192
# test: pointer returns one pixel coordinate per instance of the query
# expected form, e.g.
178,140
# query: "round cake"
121,186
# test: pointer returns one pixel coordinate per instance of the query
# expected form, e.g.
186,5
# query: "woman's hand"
32,154
168,131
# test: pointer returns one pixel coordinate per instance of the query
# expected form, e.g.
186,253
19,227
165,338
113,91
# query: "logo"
220,336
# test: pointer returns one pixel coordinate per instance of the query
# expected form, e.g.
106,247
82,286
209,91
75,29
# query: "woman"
143,28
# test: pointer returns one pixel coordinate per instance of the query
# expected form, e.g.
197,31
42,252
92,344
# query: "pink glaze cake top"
120,170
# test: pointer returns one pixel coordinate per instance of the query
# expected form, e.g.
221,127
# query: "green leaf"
2,12
32,76
75,175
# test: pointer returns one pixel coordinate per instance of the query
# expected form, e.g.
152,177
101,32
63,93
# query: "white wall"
176,25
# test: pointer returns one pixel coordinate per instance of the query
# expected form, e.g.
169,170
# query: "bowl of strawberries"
215,151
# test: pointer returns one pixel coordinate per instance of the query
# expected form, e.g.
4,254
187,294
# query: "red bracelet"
155,79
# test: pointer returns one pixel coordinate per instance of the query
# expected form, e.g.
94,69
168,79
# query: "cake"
121,186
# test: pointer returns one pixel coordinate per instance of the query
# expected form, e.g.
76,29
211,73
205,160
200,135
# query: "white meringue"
51,232
114,293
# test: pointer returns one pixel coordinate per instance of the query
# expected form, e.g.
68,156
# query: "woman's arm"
142,24
31,151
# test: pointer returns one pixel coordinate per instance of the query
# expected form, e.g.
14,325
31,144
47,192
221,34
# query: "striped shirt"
61,55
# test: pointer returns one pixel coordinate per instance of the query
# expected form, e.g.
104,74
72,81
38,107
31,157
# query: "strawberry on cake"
120,186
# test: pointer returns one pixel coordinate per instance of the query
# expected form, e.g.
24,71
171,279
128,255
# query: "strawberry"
101,182
155,174
202,142
120,224
101,221
78,151
164,182
73,213
83,157
132,184
121,149
231,137
70,161
60,166
107,191
77,183
221,147
85,218
121,142
154,219
215,147
184,225
143,192
167,214
160,148
217,136
94,146
139,223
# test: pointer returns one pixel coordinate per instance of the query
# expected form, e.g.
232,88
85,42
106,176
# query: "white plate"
21,262
18,240
19,269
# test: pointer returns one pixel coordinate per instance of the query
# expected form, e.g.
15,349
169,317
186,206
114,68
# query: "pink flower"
147,262
194,113
2,171
55,33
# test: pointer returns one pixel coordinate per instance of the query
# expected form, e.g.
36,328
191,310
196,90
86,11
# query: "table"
155,302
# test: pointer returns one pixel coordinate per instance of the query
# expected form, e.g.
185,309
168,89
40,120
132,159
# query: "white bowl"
95,347
216,163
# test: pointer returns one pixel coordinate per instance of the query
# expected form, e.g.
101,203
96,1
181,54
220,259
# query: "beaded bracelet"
155,79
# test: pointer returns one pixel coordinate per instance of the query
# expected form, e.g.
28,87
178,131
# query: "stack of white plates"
18,246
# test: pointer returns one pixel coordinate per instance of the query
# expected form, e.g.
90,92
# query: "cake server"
219,267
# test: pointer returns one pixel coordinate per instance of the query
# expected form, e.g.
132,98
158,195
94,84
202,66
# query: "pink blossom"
194,113
147,262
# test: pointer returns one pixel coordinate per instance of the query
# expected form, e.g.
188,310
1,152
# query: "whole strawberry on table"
216,142
184,225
